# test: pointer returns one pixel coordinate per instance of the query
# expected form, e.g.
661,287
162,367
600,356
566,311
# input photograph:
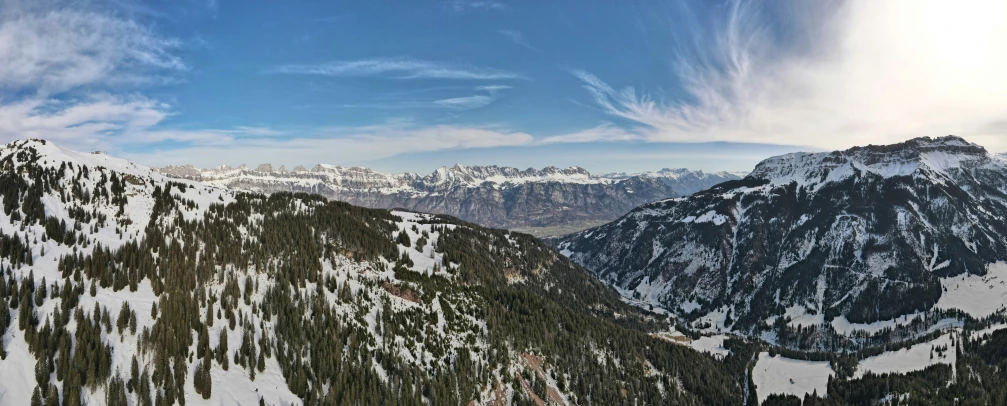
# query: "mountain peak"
933,155
949,143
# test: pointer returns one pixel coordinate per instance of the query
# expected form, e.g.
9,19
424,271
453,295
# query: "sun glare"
965,34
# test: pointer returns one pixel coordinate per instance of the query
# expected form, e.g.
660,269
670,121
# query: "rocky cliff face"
546,201
866,234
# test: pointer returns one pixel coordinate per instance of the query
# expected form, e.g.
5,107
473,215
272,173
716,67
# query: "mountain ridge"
541,201
812,236
121,286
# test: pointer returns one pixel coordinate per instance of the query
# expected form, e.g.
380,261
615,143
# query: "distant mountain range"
549,201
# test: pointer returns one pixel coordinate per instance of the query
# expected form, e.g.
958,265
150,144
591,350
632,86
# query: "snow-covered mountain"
122,286
544,202
684,181
837,240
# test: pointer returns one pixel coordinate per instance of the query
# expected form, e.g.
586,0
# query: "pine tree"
134,375
36,397
222,349
52,396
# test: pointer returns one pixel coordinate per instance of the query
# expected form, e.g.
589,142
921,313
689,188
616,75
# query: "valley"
546,202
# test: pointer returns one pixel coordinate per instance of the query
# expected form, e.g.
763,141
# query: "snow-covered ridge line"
814,239
549,201
674,173
457,174
935,155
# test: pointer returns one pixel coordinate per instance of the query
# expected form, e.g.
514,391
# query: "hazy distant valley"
546,202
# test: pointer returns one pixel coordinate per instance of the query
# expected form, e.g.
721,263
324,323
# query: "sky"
623,86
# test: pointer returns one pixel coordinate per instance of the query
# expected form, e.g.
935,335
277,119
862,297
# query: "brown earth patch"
405,293
535,363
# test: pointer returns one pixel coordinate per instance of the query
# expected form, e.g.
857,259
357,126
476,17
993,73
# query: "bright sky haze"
415,85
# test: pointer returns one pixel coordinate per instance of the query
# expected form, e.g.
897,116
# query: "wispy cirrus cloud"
78,76
602,133
465,103
109,122
59,49
857,72
342,145
397,68
517,37
494,88
466,5
475,101
64,65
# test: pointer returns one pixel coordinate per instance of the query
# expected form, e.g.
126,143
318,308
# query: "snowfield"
713,345
789,376
17,377
979,296
843,326
910,359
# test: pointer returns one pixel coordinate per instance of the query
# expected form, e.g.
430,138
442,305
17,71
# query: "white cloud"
465,103
108,122
494,88
341,145
68,67
60,49
601,133
259,131
400,68
476,101
121,124
869,72
465,5
517,37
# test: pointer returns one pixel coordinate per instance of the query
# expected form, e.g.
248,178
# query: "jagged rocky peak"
494,170
324,168
264,168
674,173
475,175
498,196
182,171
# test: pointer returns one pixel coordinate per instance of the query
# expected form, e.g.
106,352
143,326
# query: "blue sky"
414,85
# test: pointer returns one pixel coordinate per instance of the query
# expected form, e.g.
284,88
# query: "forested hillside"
122,287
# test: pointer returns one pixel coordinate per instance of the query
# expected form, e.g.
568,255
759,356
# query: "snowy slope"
977,295
684,181
910,359
288,284
789,376
17,370
861,239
